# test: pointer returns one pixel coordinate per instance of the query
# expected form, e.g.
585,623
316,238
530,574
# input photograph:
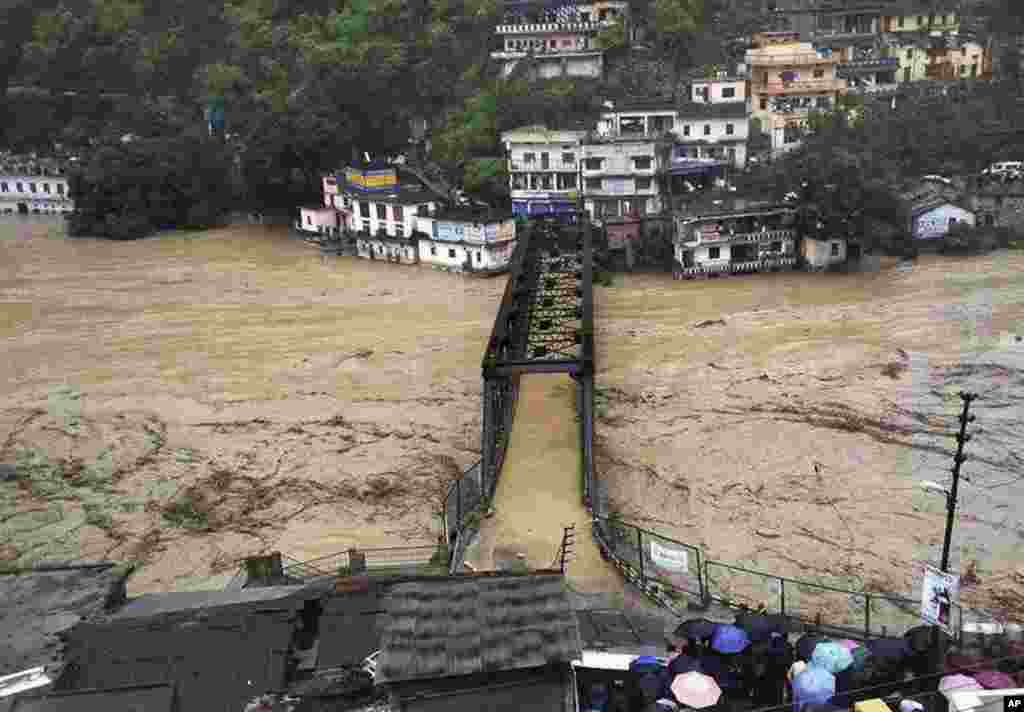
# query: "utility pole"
962,438
566,549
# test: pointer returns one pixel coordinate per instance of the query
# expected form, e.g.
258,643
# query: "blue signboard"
448,231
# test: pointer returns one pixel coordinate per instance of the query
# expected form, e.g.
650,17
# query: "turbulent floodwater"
306,405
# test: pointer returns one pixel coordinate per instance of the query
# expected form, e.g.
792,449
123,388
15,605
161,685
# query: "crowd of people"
752,664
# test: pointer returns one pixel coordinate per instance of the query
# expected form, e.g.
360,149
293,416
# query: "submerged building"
732,236
30,185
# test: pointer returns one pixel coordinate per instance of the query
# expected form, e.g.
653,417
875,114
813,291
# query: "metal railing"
420,559
675,573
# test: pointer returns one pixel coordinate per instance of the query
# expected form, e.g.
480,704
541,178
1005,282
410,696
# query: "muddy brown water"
306,404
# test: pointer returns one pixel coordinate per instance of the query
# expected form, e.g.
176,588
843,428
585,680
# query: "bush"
964,239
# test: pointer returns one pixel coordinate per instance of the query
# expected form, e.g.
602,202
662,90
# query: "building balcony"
843,33
797,60
740,267
874,64
536,167
802,86
744,237
538,28
612,136
551,54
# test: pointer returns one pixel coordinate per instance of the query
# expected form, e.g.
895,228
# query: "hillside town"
291,482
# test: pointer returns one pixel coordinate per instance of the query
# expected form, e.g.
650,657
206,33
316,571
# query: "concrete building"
722,89
559,42
733,235
932,217
907,16
788,80
867,67
33,185
623,175
819,254
544,170
458,241
318,221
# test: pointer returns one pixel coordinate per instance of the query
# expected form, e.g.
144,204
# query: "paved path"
539,492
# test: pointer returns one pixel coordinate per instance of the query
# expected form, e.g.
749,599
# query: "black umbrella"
806,645
697,628
760,626
886,650
650,687
920,639
683,663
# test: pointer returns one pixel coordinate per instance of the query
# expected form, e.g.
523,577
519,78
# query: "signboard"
448,231
669,559
938,593
381,179
500,232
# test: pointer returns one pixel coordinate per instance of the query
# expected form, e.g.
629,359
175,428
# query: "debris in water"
709,322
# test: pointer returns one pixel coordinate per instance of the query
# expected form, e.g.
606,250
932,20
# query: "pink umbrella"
695,689
848,644
994,680
953,683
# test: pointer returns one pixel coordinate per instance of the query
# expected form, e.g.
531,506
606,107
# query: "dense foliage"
127,189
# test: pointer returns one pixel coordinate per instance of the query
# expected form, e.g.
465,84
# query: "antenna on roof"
366,156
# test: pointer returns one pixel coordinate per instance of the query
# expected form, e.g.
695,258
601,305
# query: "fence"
672,571
393,560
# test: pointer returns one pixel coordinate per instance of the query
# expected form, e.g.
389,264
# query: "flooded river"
186,400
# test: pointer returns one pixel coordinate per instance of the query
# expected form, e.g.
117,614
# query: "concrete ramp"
540,492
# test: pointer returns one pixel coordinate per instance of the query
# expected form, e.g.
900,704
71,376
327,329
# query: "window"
819,73
707,129
423,210
776,247
952,222
309,220
400,230
764,103
593,164
544,161
714,253
835,249
910,53
642,163
686,128
567,43
529,157
382,211
477,256
32,187
728,92
46,187
899,21
364,210
3,187
20,189
729,129
593,184
433,250
643,183
397,212
451,253
569,158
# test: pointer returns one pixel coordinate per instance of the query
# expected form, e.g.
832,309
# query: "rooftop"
42,602
218,658
714,205
476,624
151,698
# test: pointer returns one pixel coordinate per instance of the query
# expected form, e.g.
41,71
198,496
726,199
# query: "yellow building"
920,21
788,80
963,59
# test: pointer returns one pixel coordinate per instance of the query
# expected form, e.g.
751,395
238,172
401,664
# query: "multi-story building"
733,235
788,80
867,67
544,170
561,42
466,241
623,175
915,16
33,185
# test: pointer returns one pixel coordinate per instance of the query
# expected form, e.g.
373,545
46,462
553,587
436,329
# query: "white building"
544,170
722,89
731,236
623,176
467,243
318,220
561,42
29,185
932,218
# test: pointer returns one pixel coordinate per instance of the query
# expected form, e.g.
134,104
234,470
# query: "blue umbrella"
813,685
645,664
832,657
729,639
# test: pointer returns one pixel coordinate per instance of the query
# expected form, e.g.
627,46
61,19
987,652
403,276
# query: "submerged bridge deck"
539,492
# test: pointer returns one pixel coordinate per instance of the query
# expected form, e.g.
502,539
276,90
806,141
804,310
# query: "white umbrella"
695,689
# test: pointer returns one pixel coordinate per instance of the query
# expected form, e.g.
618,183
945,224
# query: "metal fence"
673,571
420,560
